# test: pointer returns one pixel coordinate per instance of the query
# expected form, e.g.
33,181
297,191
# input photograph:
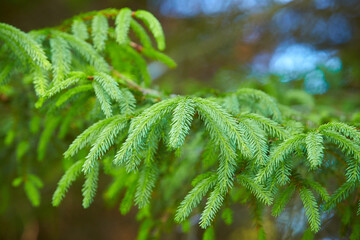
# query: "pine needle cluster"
153,144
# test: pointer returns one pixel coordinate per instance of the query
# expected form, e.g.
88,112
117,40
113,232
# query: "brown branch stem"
133,85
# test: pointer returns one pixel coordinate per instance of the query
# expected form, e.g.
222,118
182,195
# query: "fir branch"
209,155
88,136
181,121
159,56
147,179
283,172
19,54
149,173
141,33
231,103
65,182
103,98
271,127
99,31
60,58
110,86
20,40
257,189
346,130
108,13
213,205
194,197
90,185
40,80
318,189
139,129
74,77
72,92
353,170
278,155
235,144
347,146
315,149
311,208
122,25
154,26
264,98
104,140
86,50
225,133
340,194
256,138
128,102
79,29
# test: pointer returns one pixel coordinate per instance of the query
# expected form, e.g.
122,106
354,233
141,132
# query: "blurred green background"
279,46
